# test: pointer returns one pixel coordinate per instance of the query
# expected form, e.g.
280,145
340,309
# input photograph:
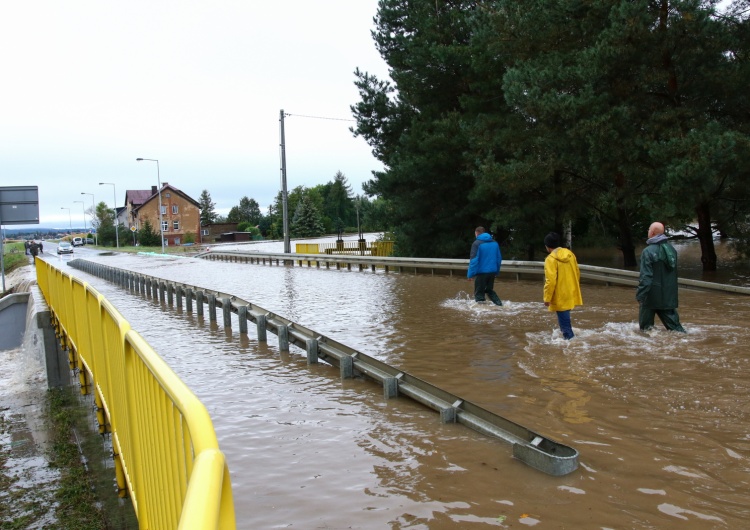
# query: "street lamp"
114,193
83,209
70,218
158,181
93,214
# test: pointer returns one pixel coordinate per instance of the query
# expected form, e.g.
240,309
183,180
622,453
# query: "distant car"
63,247
89,241
77,241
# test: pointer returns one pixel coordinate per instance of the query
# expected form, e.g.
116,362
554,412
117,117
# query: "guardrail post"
226,309
199,303
261,325
448,415
178,295
170,294
283,331
189,300
162,289
346,367
212,308
312,351
390,387
242,315
154,289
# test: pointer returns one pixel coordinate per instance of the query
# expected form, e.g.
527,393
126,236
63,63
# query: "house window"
163,210
175,225
174,208
177,241
164,226
204,231
167,195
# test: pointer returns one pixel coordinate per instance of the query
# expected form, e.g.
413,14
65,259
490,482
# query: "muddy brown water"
660,419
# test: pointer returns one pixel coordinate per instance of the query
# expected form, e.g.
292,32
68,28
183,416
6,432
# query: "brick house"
180,213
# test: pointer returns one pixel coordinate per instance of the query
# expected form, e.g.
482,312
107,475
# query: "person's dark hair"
552,240
479,230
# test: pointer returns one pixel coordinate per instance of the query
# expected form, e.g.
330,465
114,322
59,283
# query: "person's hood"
562,254
656,239
668,255
484,237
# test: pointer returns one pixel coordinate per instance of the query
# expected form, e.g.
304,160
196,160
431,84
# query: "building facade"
180,213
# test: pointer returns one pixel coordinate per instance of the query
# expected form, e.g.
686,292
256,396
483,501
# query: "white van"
77,241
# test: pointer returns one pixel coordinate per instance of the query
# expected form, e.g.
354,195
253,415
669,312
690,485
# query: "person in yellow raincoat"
562,282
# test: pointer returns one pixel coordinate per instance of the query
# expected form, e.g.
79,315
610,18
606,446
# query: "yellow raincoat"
562,280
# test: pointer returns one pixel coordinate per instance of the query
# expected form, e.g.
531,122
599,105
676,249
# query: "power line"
318,117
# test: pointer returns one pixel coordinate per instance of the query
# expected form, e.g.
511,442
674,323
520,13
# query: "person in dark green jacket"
657,285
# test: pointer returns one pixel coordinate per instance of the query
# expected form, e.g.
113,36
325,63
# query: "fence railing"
167,457
450,267
347,248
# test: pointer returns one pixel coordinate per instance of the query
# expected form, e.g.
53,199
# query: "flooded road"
660,419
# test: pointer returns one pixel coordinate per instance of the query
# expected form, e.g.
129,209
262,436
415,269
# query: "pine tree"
207,207
306,221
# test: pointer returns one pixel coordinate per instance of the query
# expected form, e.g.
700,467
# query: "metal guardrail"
450,267
529,446
167,458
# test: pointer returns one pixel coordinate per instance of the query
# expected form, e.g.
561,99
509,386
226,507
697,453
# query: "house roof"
145,196
137,197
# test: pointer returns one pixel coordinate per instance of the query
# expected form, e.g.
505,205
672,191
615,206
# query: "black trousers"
484,284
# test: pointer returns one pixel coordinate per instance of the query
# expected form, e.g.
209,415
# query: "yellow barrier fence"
167,458
353,248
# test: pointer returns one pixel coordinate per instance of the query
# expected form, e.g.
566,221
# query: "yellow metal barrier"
306,248
375,248
167,458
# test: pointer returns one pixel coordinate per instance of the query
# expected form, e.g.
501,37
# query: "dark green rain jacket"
657,287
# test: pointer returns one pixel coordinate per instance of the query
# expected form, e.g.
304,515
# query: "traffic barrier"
530,447
450,267
167,458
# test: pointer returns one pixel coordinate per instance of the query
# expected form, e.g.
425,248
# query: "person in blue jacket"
484,265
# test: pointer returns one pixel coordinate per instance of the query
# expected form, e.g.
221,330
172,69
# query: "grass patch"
86,496
14,256
77,502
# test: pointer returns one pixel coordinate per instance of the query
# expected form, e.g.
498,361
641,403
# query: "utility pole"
284,203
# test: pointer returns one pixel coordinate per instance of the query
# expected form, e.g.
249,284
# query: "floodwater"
660,419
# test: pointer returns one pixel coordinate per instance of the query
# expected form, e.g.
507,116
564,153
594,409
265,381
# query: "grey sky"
89,86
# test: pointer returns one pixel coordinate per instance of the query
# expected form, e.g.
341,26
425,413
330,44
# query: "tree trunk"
530,253
706,237
623,223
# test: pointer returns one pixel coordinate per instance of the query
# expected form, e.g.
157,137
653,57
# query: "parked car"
63,247
89,241
77,241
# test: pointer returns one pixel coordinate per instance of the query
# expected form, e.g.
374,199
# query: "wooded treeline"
329,208
526,117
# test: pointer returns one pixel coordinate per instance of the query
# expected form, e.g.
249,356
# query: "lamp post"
93,214
114,204
83,209
158,181
70,218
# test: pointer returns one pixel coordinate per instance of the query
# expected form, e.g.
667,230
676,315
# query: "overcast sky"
89,86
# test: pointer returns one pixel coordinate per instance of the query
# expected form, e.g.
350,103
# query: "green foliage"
247,211
306,221
189,238
529,116
208,208
148,236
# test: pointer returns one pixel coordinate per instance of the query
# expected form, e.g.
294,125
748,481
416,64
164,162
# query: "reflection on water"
660,418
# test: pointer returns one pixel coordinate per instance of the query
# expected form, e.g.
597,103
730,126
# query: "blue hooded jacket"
485,256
